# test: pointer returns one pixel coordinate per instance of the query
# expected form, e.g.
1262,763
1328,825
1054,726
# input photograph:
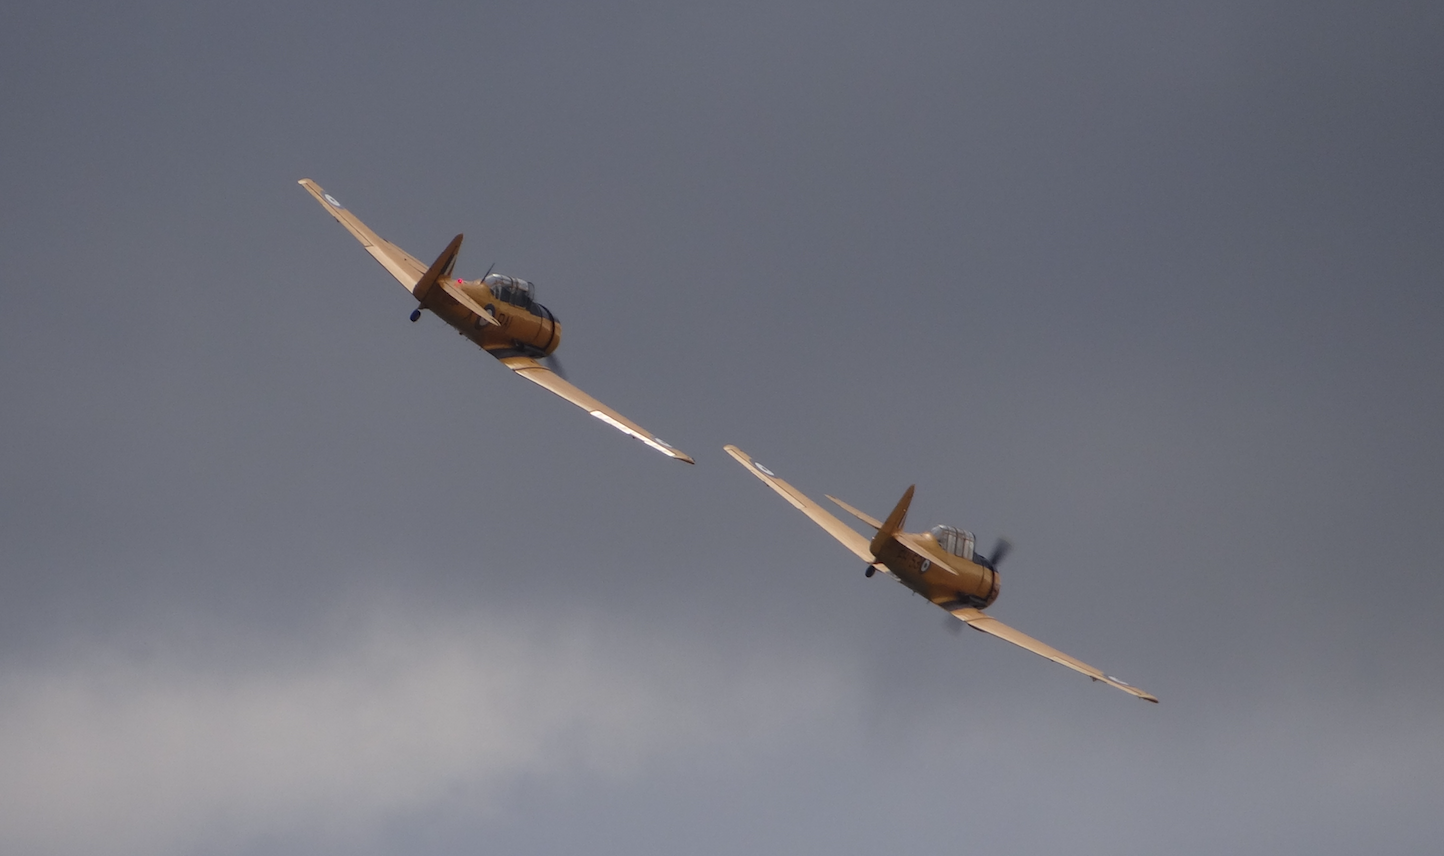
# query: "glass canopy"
955,541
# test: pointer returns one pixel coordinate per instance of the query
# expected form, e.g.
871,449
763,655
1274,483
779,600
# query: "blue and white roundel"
331,199
764,469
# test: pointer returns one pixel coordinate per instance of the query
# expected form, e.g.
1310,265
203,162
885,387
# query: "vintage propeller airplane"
939,564
499,313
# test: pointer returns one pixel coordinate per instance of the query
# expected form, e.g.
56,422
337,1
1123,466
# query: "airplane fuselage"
530,330
921,564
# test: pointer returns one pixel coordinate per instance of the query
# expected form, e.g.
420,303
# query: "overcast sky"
1152,289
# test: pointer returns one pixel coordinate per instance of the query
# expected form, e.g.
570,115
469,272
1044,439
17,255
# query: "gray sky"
1153,289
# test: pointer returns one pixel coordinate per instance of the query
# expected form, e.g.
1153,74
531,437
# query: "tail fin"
440,269
894,522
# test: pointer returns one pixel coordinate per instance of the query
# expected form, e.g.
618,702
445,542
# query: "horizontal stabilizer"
865,518
455,293
436,287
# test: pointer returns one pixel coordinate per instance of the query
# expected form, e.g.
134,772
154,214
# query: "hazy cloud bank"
367,722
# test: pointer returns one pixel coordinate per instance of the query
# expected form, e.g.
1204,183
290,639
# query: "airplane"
940,564
499,313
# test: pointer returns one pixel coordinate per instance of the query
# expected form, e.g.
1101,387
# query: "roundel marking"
764,469
927,563
331,199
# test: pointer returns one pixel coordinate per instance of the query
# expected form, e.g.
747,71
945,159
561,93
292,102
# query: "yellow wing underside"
821,516
399,263
979,620
555,383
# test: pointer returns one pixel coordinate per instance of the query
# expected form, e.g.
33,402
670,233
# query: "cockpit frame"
509,289
958,542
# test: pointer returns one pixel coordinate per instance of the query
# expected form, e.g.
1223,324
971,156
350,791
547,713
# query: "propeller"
999,551
551,362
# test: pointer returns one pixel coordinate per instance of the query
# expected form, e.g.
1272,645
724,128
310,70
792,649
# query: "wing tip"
751,463
1130,688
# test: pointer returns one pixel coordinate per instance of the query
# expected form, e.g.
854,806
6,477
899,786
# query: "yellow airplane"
499,313
939,564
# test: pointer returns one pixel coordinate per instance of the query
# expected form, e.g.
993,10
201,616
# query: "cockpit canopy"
955,541
508,289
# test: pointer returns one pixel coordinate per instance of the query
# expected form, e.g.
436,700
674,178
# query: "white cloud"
364,724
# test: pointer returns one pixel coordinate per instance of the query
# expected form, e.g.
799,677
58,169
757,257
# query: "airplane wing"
553,382
979,620
400,264
836,528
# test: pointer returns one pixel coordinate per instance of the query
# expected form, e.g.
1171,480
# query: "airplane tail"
894,522
440,269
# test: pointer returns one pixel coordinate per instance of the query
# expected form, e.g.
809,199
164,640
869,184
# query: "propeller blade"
551,362
999,551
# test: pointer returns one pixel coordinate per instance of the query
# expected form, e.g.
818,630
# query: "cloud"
371,720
